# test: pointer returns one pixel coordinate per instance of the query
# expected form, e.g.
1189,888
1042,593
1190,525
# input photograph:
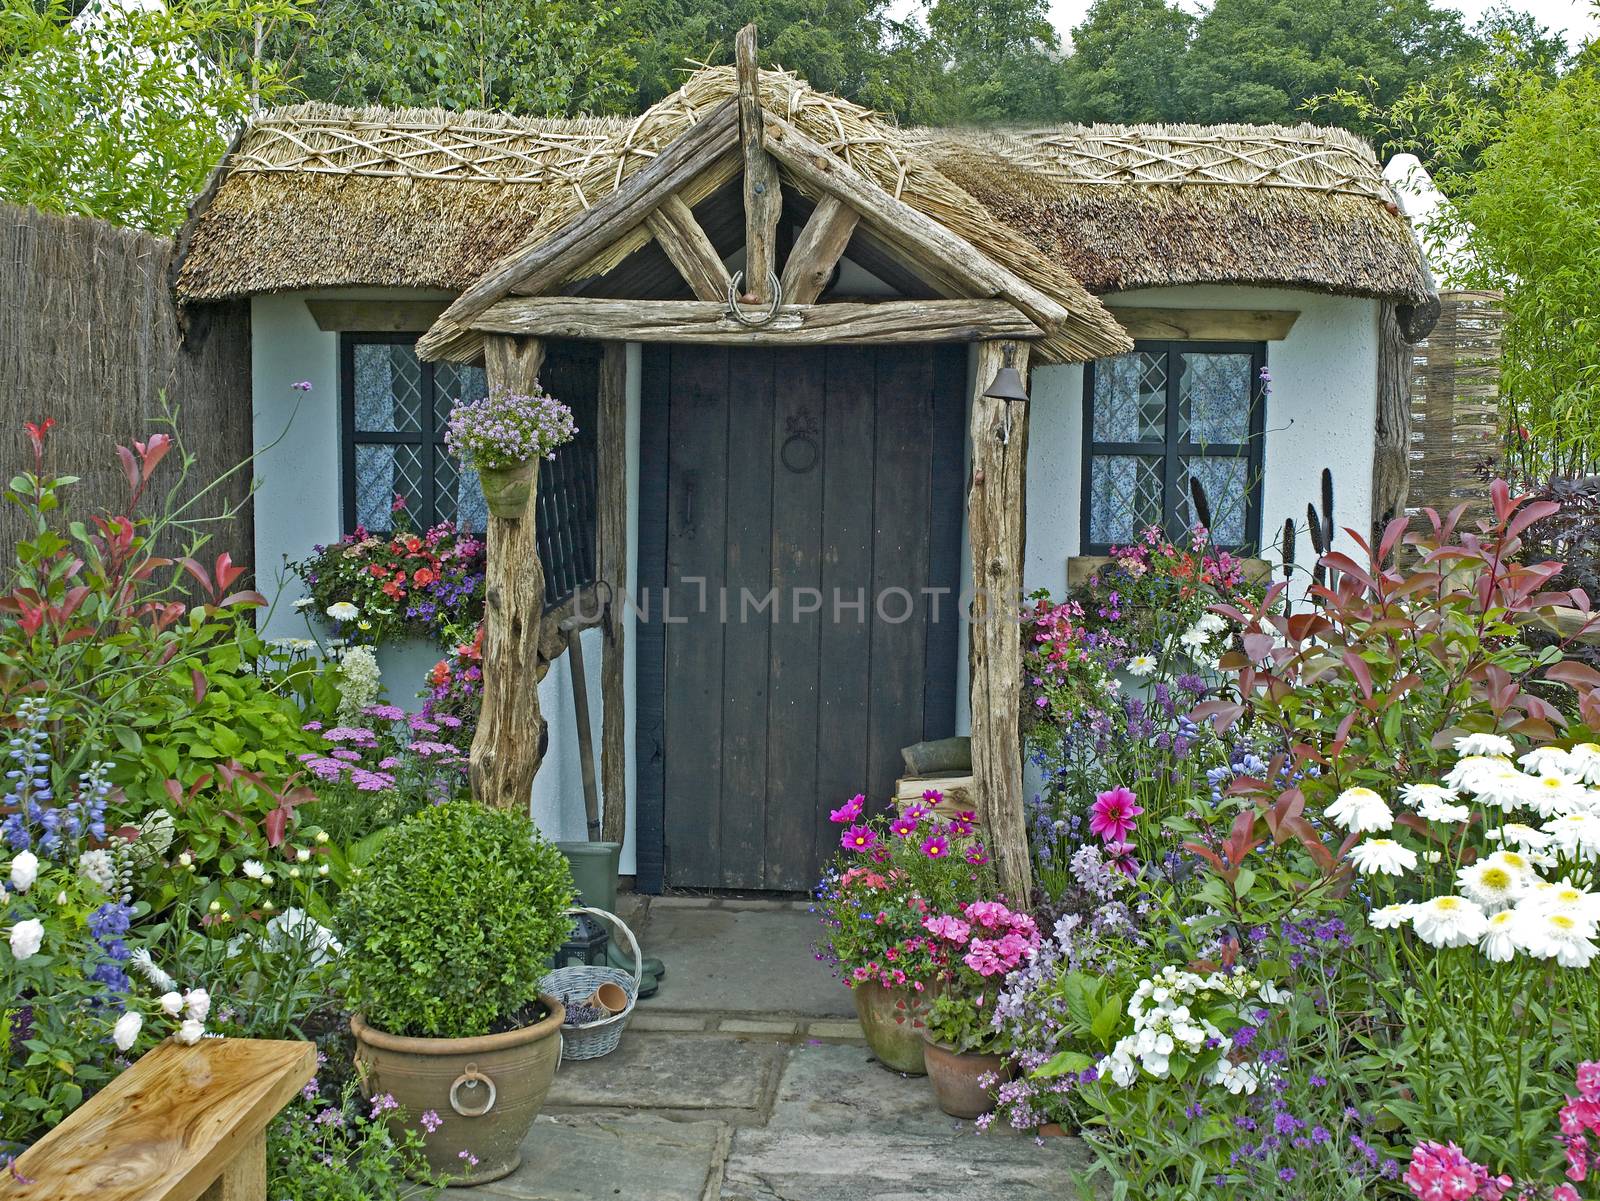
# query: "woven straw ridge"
315,196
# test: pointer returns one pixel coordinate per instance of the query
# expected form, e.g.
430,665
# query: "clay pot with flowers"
502,436
965,1052
447,934
892,875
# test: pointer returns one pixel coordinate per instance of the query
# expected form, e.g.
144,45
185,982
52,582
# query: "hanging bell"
1006,385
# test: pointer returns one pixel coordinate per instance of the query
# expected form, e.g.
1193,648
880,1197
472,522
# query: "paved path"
772,1097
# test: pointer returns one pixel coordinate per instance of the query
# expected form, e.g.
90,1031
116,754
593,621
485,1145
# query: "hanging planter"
503,436
506,489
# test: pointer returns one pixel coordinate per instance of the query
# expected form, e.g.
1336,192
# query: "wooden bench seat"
181,1124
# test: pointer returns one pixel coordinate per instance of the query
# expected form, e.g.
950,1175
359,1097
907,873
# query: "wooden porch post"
996,520
509,744
1391,450
763,198
612,535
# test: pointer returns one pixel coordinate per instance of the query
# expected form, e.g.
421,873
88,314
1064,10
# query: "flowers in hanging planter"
506,428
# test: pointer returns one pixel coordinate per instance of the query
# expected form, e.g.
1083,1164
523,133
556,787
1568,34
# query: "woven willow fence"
1455,403
89,335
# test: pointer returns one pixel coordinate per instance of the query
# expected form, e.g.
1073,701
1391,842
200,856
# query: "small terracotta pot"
893,1020
488,1089
1053,1130
955,1076
613,998
506,489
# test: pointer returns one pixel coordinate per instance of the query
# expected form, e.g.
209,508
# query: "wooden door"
802,511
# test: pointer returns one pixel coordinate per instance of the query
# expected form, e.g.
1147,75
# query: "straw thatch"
1124,207
323,197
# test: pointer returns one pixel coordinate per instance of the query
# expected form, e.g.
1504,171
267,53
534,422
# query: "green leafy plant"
335,1145
450,928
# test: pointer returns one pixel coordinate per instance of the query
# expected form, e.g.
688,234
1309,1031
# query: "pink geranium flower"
947,927
936,846
859,838
1112,814
849,811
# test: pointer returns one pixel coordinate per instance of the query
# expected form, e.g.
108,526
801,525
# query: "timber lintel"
1202,325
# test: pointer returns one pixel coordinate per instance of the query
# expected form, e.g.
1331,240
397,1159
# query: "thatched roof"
315,196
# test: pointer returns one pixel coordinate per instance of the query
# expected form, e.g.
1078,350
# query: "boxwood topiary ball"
449,928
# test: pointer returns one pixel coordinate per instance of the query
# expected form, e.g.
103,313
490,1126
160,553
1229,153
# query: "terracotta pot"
488,1090
955,1076
1053,1130
506,489
893,1020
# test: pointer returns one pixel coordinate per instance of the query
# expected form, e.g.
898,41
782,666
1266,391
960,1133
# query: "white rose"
253,869
189,1033
24,871
127,1030
26,938
302,855
198,1002
172,1003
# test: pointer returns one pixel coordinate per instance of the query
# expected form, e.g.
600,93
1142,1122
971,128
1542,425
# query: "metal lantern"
588,944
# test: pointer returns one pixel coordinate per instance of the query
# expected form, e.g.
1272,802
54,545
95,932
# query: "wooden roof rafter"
982,299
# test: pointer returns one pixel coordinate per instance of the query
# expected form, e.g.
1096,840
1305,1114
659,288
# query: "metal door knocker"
800,452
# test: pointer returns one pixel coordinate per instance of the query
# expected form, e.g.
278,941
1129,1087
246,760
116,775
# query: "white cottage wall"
297,504
1321,413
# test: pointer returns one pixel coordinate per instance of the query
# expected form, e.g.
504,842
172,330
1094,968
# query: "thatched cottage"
782,321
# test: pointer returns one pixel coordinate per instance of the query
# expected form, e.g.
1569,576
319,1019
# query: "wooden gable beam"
883,323
818,249
763,197
546,264
690,250
919,237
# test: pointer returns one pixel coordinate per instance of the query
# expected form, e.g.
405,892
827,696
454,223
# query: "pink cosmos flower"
936,846
859,838
1112,814
960,825
932,795
917,812
977,856
849,811
903,827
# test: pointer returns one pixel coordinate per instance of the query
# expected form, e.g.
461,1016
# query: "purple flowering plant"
506,428
333,1144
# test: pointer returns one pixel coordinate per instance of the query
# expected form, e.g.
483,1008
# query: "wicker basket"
594,1039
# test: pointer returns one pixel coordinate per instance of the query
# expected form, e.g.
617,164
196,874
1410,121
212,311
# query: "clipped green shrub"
451,925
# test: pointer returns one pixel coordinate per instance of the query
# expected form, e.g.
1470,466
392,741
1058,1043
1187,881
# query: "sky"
1577,19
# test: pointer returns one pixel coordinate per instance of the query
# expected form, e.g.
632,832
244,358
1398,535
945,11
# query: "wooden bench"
182,1124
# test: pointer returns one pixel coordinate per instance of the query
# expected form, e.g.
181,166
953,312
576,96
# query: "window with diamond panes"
396,410
1165,414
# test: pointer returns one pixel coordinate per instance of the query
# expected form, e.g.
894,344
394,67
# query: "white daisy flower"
1504,787
1484,744
343,611
1499,943
1390,917
1553,795
1545,759
1432,857
1567,939
1371,856
1360,810
1518,835
1141,665
304,603
1417,795
1563,897
1194,639
1575,834
1489,884
1435,810
1448,921
1583,761
1211,623
1470,769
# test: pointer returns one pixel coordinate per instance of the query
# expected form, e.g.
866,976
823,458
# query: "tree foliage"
120,111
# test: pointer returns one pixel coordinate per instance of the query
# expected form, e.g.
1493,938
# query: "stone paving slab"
755,961
595,1159
670,1071
778,1164
843,1087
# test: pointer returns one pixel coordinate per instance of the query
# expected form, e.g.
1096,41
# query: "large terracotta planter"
955,1076
893,1020
487,1090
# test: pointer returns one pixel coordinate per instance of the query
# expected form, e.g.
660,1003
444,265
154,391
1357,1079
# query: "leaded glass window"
1161,416
396,409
